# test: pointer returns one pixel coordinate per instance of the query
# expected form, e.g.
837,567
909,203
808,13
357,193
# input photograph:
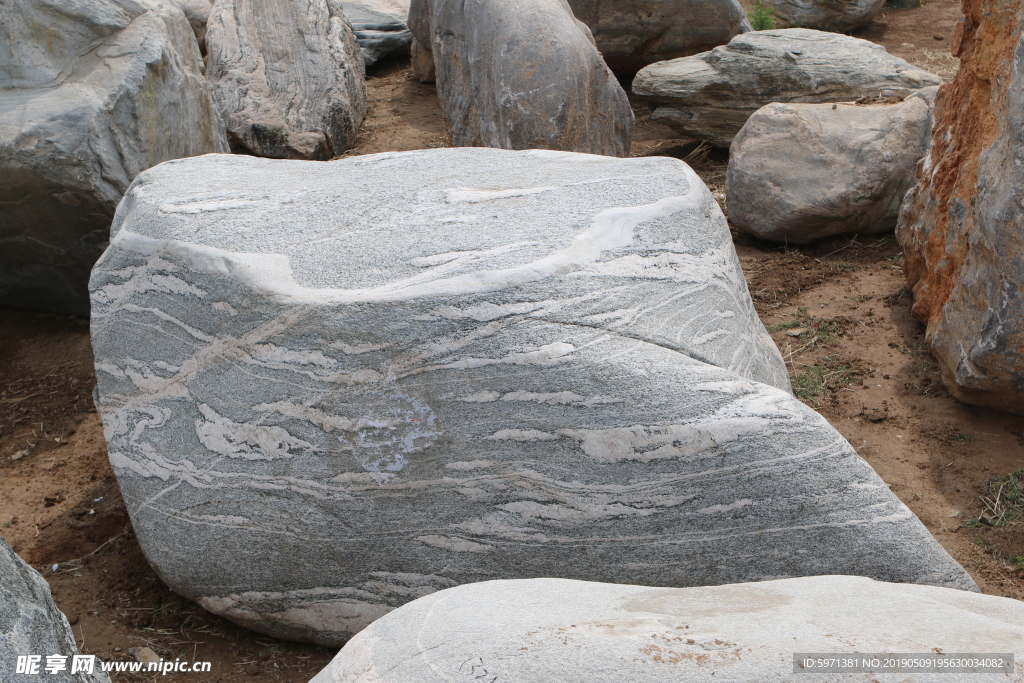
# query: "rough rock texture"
961,228
379,34
554,630
802,172
351,384
422,63
93,92
826,15
288,76
31,624
522,75
198,13
711,95
632,34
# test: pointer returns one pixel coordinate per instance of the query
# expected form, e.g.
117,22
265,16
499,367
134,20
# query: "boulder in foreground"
962,227
111,88
804,172
553,630
31,624
330,388
711,95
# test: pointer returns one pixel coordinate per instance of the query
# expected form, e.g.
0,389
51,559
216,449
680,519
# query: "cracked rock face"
711,95
961,227
94,92
288,76
520,75
804,172
553,630
632,34
31,624
331,388
827,15
379,27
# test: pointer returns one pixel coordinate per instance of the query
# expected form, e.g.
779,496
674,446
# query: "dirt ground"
839,312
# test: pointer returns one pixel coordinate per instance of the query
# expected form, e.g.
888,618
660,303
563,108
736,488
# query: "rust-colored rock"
962,227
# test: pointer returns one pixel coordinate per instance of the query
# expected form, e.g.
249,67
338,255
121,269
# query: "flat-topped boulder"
804,172
288,76
554,630
962,228
711,95
827,15
379,32
110,88
32,624
350,384
631,34
521,75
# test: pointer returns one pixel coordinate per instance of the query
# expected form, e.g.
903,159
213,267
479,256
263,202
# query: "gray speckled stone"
803,172
827,15
31,624
634,33
522,75
91,93
288,76
711,95
350,384
378,33
559,631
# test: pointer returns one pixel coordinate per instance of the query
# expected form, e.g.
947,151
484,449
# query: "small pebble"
19,455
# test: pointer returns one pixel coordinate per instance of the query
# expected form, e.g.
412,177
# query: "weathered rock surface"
961,228
288,76
520,75
379,34
631,35
351,384
553,630
827,15
31,624
93,92
803,172
198,13
711,95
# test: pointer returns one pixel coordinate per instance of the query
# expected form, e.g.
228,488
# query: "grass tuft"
761,17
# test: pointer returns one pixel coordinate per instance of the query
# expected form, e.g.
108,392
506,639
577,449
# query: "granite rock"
350,384
520,75
803,172
554,630
631,35
827,15
93,92
31,624
288,76
198,13
378,33
961,227
711,95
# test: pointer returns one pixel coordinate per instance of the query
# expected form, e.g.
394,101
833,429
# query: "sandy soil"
838,311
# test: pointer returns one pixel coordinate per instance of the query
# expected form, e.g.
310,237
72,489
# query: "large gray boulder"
328,389
826,15
31,624
962,226
803,172
288,76
378,33
520,75
110,88
711,95
632,34
556,631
